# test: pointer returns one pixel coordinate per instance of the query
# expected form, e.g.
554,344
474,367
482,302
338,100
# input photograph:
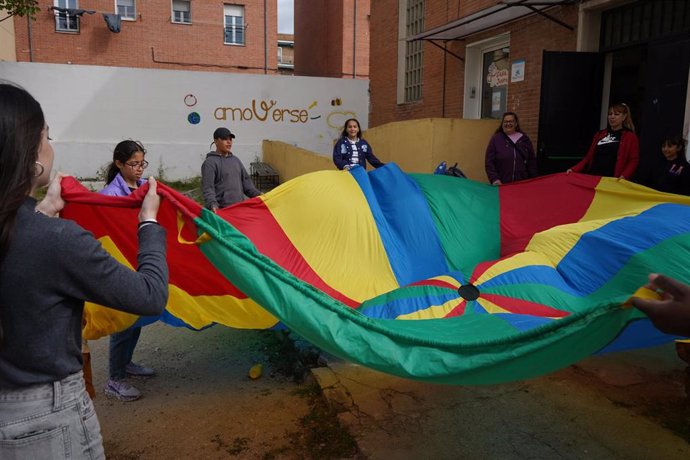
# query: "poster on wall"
517,71
496,101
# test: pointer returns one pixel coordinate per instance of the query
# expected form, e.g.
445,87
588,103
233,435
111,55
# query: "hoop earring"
42,169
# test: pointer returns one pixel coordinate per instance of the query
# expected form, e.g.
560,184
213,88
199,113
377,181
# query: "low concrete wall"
7,42
415,145
291,161
420,145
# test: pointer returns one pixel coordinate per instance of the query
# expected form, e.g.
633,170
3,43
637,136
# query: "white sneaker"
122,390
137,370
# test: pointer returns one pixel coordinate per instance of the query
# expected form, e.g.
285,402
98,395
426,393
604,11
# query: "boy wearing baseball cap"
224,179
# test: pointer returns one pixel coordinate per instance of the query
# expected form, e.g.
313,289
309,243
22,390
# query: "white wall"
90,109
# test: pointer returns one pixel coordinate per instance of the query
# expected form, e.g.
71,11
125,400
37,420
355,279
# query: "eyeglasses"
138,164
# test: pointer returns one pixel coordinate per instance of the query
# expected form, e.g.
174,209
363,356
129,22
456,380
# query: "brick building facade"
214,35
332,38
444,73
480,58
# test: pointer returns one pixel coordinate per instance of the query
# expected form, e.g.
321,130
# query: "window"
487,72
495,76
182,11
414,51
234,24
640,22
65,22
127,9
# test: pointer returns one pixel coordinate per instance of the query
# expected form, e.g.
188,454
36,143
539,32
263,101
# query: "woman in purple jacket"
510,155
123,177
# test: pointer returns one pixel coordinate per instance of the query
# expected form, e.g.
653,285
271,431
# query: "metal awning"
504,12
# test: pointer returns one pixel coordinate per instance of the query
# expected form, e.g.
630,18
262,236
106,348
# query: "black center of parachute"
468,292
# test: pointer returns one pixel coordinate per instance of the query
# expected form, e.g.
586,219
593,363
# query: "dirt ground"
202,404
628,405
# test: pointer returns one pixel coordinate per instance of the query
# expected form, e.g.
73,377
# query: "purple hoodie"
118,187
508,163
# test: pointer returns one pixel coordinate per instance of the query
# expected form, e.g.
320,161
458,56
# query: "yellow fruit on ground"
255,371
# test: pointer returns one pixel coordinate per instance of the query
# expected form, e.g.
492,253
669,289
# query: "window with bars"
65,22
642,21
127,9
182,11
414,53
234,25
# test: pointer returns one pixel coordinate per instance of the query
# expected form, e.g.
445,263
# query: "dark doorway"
570,107
628,80
663,103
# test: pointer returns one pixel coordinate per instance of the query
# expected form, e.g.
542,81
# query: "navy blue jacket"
342,154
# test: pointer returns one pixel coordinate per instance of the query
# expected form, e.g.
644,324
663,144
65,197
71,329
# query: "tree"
19,8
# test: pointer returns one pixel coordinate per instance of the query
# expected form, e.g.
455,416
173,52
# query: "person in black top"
672,175
614,151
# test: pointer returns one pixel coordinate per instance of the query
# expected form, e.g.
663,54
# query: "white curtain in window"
181,5
125,8
182,11
67,3
234,10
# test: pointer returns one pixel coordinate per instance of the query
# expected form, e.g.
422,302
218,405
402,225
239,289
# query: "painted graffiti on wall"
174,113
271,110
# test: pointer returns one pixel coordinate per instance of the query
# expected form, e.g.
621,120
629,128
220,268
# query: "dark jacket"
342,154
225,181
51,267
672,176
626,161
507,163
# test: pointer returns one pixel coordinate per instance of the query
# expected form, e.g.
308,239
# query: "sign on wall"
174,113
517,71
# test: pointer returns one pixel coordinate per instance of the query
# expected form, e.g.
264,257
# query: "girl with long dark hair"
351,150
48,268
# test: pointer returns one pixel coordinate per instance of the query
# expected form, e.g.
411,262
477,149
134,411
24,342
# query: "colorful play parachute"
423,276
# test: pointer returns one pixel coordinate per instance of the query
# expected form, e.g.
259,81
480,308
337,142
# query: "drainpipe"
443,97
265,39
354,43
31,48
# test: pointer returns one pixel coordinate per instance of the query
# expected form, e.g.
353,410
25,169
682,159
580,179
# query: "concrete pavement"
629,405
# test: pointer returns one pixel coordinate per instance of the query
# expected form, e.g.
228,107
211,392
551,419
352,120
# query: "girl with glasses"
123,177
125,173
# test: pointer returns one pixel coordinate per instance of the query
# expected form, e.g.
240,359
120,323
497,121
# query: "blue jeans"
53,420
122,346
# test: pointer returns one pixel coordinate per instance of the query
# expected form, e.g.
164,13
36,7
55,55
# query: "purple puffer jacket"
508,164
118,187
